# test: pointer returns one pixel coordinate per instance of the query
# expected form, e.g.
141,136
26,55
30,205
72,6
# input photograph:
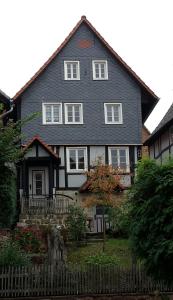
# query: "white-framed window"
73,113
71,70
113,113
100,69
119,158
76,159
52,113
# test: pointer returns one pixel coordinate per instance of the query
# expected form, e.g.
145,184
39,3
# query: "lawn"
118,248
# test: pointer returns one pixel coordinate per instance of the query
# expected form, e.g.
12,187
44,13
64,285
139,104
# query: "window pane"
116,112
97,70
81,164
109,108
70,113
72,154
123,162
114,157
38,183
48,113
56,113
77,113
102,69
68,70
74,66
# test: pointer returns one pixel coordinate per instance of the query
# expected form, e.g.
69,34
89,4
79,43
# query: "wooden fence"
48,280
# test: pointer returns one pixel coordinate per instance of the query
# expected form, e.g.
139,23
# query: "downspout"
9,111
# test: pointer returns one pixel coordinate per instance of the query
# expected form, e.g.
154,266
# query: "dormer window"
71,70
100,69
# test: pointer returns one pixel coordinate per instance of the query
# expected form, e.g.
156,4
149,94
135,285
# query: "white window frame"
120,116
94,72
77,170
44,112
66,113
65,69
127,170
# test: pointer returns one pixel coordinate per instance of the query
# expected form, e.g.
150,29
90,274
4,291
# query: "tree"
103,181
10,153
151,233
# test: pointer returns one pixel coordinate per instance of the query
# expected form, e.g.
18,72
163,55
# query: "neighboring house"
92,105
6,102
160,143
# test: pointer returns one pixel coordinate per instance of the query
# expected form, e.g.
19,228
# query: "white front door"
38,182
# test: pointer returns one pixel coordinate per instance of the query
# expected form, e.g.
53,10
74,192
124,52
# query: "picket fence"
49,280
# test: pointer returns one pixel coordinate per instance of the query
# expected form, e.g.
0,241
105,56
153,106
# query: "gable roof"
36,139
119,59
167,119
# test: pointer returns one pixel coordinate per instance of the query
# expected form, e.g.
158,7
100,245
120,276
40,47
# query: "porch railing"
45,204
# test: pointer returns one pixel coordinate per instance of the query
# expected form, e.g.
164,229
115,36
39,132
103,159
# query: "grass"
118,248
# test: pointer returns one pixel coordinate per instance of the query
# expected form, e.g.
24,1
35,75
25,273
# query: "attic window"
100,69
71,70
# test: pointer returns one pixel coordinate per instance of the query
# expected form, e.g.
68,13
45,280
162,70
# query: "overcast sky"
140,31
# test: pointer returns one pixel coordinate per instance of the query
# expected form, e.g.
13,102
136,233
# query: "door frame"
46,179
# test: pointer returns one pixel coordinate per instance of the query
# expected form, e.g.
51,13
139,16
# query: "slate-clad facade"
51,93
50,86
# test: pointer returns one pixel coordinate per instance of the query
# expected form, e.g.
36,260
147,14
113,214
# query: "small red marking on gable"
85,43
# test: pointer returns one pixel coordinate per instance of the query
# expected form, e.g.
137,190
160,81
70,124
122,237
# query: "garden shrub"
119,219
76,223
31,239
12,255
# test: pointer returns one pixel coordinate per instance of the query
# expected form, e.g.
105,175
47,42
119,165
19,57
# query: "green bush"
119,219
101,259
151,228
76,223
12,255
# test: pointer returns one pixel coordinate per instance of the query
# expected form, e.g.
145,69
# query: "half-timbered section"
160,142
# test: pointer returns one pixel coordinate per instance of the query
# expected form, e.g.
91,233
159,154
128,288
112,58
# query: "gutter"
9,111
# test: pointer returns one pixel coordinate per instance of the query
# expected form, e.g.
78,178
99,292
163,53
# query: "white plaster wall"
76,180
61,155
42,152
61,178
31,152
